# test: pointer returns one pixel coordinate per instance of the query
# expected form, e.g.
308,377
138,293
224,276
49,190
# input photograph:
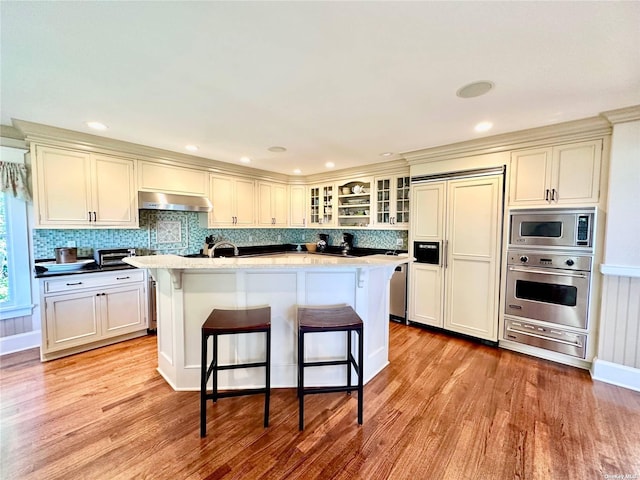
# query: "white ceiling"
330,81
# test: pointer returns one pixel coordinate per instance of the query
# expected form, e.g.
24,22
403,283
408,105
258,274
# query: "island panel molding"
282,281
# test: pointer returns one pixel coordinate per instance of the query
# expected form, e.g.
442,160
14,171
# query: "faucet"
223,243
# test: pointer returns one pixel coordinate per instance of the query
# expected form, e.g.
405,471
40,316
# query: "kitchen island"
189,288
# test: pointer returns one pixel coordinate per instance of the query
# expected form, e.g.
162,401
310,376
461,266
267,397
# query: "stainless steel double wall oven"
549,263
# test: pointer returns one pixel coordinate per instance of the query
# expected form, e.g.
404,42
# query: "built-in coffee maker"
347,243
323,242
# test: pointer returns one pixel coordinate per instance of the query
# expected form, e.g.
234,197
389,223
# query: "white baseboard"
22,341
616,374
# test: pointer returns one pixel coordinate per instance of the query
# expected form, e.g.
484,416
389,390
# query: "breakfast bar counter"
189,288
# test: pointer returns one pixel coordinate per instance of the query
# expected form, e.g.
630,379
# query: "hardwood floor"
444,408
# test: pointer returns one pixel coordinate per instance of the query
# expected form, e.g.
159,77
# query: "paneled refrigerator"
458,291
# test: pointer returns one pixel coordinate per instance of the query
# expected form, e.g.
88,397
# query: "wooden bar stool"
330,319
231,322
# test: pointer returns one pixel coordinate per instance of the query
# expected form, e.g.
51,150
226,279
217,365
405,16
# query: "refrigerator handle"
445,253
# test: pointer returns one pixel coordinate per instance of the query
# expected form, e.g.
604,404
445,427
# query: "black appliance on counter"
105,257
323,242
347,243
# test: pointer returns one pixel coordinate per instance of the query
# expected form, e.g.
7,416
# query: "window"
15,279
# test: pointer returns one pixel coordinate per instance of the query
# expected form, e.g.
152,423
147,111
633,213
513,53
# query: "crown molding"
547,135
622,115
369,170
11,137
45,134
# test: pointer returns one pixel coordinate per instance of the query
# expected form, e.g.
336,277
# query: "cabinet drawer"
92,280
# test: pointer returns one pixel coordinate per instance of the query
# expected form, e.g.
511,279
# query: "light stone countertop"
277,260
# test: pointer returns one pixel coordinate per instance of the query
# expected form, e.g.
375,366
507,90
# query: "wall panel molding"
620,321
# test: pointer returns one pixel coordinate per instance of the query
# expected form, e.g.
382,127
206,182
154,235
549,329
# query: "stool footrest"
326,363
241,365
236,393
345,388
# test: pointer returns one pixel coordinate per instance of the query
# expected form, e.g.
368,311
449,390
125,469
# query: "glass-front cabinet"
321,204
354,204
392,201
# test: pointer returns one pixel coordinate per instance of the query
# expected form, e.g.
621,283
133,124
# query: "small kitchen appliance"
561,228
347,243
323,242
112,256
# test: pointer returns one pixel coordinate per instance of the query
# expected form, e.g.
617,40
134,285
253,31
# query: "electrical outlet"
251,238
279,237
399,242
71,243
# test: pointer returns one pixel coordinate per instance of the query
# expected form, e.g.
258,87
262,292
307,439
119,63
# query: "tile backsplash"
180,233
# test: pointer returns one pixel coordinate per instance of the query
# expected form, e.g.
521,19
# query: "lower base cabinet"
90,309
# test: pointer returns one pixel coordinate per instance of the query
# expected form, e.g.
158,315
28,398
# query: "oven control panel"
550,260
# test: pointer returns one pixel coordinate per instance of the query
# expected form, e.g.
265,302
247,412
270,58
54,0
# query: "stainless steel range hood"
172,201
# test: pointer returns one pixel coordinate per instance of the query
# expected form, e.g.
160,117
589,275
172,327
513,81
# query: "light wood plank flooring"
445,408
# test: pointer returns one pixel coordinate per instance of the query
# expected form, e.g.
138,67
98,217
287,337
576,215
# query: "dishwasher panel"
398,295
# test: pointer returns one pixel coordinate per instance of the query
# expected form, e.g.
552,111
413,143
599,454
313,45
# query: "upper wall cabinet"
321,205
83,190
297,206
560,175
273,204
170,179
234,202
391,201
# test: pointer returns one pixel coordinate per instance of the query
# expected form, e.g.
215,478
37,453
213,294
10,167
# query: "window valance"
14,180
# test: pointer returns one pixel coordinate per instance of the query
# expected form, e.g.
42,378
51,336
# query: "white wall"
623,219
618,359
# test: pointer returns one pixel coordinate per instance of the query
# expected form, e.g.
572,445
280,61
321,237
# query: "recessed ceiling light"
277,149
297,171
245,159
483,126
475,89
192,148
386,154
96,125
329,164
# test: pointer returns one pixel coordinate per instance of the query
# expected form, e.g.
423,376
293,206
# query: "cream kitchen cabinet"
460,292
391,197
273,203
234,202
76,189
157,177
560,175
82,311
297,206
322,205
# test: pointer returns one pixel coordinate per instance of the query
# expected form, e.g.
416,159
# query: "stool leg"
360,374
267,379
349,361
203,388
214,373
300,380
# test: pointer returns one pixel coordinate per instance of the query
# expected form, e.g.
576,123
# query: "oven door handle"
545,272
